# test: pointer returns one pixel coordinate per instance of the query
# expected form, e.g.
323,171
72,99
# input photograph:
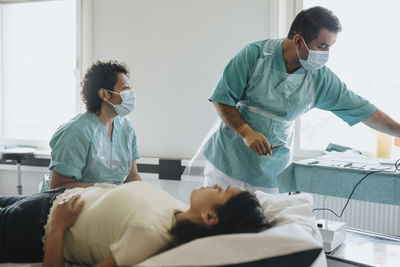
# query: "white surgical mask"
128,102
315,60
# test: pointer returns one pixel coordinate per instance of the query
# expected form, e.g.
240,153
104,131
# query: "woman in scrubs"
99,145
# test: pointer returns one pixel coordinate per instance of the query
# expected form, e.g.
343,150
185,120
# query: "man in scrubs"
264,88
99,145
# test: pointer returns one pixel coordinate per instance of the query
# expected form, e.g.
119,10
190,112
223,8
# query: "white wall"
176,51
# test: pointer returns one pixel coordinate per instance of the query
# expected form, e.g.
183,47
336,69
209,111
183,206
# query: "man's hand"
255,140
66,212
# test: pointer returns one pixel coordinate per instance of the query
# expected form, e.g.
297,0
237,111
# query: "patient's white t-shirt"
131,222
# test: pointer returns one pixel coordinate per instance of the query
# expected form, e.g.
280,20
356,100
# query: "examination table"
294,240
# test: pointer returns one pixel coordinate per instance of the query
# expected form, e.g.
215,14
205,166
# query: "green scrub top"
82,149
269,99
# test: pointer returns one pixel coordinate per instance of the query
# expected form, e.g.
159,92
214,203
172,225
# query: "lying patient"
118,225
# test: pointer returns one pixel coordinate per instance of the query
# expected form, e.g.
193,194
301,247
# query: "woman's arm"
64,216
107,262
58,180
133,174
54,254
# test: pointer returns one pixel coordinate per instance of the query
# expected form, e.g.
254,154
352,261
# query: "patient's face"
208,197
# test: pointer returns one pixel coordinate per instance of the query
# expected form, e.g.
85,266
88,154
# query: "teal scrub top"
82,149
269,99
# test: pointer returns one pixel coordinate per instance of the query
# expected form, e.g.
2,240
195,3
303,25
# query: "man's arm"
381,122
58,180
254,140
230,115
133,174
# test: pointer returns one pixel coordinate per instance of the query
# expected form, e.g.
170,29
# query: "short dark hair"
309,22
242,213
100,75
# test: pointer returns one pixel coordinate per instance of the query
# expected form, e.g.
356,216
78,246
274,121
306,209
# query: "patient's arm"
138,243
64,216
58,180
107,262
54,254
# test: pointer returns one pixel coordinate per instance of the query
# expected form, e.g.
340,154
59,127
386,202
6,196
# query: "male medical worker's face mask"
128,102
315,60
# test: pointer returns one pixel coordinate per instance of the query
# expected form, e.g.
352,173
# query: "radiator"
31,177
374,217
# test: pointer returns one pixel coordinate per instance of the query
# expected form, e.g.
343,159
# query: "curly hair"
100,75
309,22
242,213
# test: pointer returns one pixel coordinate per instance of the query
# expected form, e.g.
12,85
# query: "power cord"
397,168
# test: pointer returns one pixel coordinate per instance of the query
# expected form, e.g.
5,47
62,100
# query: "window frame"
82,45
279,27
298,153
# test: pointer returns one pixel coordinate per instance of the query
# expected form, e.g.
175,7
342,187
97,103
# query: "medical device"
273,147
333,232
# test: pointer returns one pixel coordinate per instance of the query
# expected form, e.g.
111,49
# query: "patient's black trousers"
22,221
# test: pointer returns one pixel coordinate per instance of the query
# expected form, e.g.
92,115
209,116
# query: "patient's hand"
64,216
66,212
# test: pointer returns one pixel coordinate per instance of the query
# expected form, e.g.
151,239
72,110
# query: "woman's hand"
64,216
66,212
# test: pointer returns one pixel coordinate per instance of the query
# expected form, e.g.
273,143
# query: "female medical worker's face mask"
128,102
315,60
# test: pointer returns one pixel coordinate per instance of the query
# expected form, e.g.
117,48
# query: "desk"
366,249
315,176
18,156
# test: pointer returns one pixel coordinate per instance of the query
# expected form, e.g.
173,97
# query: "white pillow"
294,230
283,208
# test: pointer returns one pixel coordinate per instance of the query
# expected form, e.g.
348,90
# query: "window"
38,66
365,57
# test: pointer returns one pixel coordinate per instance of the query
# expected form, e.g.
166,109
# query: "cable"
397,168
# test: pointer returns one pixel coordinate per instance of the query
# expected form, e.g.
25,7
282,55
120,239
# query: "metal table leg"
19,186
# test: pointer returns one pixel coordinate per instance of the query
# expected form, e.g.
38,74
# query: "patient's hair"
309,22
242,213
100,75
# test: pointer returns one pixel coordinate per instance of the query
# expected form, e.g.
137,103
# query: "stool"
18,157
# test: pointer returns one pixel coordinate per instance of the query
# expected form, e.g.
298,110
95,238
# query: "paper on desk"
349,156
350,159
